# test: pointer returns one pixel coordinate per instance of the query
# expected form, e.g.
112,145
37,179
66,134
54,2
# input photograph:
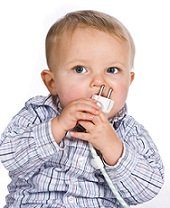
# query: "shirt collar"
54,103
116,120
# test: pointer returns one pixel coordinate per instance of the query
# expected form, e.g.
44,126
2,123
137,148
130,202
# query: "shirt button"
71,199
81,162
81,159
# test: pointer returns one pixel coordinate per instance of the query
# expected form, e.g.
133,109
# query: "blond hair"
87,18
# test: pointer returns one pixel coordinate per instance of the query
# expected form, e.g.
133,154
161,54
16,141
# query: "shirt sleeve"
139,174
27,142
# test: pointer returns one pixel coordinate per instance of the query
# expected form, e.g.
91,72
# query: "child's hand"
102,136
78,110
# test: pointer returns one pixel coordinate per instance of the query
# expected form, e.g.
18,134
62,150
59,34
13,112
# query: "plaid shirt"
47,175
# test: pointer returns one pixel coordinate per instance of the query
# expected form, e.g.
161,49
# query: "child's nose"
97,81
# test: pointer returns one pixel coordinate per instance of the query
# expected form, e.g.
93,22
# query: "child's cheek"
120,96
68,96
123,92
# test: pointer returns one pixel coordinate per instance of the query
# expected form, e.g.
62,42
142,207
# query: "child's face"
88,59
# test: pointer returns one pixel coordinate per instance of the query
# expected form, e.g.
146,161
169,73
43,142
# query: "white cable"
100,166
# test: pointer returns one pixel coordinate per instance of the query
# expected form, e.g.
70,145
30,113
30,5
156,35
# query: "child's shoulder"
129,120
131,125
38,100
35,110
40,104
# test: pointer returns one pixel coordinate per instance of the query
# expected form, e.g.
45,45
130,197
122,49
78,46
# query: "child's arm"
134,164
103,137
139,174
27,142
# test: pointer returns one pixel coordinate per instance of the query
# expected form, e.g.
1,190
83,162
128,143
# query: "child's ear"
132,76
49,81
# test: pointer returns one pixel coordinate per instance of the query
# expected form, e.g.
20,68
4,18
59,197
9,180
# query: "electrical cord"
100,166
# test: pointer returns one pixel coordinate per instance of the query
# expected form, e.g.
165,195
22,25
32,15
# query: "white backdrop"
23,27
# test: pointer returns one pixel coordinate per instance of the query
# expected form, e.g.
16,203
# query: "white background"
23,27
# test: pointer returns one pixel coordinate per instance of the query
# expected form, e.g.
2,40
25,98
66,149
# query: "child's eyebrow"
117,64
76,61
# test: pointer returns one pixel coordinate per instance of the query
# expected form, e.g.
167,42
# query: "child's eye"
80,69
113,70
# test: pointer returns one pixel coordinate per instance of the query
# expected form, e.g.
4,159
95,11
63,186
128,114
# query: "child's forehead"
83,38
82,30
85,43
89,38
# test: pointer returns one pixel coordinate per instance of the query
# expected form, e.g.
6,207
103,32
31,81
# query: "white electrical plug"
105,103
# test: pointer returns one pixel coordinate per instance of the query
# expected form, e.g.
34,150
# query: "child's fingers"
83,116
88,125
80,135
84,106
86,103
